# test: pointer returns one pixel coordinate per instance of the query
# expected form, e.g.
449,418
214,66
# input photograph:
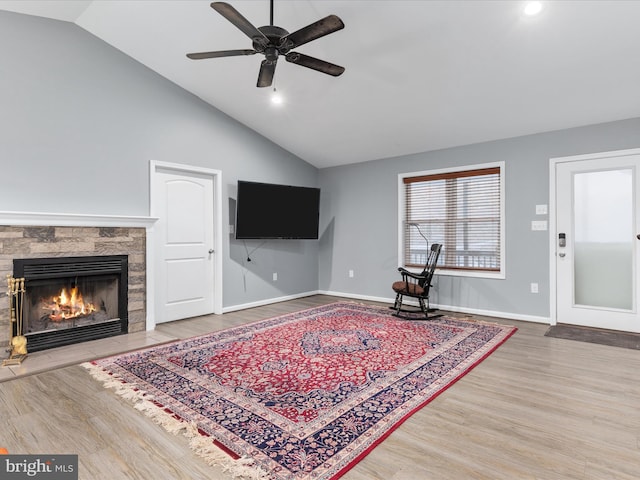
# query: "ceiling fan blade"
221,53
267,70
318,29
235,17
315,64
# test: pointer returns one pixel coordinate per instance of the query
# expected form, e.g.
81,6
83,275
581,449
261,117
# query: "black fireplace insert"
70,300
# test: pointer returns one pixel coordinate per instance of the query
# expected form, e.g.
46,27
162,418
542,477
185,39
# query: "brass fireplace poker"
18,342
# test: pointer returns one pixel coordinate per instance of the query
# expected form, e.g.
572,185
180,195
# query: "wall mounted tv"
266,210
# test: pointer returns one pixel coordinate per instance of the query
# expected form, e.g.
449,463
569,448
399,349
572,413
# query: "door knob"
561,255
211,250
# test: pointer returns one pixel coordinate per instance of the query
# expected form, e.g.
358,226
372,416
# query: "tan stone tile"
16,246
136,327
86,232
10,232
137,258
139,305
67,247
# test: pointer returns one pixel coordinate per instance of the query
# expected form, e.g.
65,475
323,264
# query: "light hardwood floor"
537,408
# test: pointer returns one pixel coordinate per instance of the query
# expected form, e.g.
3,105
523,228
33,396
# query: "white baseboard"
448,308
356,296
268,301
389,300
491,313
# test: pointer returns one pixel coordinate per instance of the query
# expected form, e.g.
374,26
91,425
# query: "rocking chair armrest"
407,273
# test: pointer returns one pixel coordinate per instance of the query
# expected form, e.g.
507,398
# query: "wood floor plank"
537,408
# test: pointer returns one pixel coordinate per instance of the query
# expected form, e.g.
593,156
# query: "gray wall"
360,218
80,121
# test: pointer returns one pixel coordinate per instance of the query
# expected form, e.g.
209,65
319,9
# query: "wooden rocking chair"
416,286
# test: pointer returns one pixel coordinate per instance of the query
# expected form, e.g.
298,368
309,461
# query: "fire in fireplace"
50,306
67,305
73,299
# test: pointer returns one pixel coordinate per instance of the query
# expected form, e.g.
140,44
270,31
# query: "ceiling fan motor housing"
275,46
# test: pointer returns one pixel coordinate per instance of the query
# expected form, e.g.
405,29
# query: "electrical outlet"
275,277
534,288
350,273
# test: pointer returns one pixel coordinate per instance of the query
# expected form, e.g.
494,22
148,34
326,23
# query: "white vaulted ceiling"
420,75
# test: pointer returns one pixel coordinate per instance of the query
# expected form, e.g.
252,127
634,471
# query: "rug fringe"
243,468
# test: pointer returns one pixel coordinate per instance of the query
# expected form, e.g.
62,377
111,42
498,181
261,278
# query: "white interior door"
183,202
596,241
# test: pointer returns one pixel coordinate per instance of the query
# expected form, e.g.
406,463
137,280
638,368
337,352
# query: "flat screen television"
267,210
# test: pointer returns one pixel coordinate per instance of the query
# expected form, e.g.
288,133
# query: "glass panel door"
596,240
603,238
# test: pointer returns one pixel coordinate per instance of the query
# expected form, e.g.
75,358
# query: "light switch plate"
539,225
541,210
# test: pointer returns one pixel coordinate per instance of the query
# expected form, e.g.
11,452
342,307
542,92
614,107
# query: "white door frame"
154,166
553,244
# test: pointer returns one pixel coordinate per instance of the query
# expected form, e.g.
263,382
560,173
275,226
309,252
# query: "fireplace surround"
35,235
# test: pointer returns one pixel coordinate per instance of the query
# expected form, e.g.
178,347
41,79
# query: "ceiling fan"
273,41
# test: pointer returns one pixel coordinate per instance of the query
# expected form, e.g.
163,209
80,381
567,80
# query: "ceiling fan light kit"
273,41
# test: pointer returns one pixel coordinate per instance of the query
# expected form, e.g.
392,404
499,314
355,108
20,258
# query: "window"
461,209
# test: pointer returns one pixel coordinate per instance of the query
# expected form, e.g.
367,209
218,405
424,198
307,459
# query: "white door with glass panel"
596,242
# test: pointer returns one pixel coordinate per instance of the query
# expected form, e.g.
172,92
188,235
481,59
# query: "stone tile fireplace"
103,265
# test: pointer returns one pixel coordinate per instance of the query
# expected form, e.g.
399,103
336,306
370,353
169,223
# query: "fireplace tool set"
17,342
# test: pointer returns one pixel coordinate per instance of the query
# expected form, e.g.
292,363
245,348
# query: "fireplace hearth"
73,299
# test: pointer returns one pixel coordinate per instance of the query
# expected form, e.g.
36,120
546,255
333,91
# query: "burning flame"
69,304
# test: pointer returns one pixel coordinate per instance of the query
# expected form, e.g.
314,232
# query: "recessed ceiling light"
532,8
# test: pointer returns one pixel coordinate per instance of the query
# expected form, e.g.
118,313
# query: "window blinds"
460,210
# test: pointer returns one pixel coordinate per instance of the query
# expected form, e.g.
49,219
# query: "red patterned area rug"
301,396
